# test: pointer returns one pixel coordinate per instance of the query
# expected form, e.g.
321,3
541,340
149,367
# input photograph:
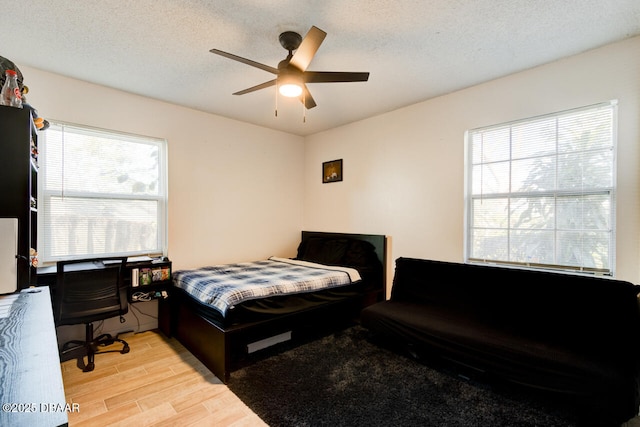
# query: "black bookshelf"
148,280
18,182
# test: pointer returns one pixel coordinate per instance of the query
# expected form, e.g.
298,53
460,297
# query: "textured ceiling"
414,50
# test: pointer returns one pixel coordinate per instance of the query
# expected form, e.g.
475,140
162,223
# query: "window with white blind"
101,193
541,191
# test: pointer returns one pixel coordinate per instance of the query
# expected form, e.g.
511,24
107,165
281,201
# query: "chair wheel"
89,367
125,350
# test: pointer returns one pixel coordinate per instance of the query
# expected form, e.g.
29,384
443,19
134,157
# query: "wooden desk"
31,389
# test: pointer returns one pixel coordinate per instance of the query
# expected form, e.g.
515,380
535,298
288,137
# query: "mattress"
224,287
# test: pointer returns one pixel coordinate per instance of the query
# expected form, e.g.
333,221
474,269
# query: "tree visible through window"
541,191
102,193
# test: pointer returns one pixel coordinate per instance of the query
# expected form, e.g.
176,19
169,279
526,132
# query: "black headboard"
379,242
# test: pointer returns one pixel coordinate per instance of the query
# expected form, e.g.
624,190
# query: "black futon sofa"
575,335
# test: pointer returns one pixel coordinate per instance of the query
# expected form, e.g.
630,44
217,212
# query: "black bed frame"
221,348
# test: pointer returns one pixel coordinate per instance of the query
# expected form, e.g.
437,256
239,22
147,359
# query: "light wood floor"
157,383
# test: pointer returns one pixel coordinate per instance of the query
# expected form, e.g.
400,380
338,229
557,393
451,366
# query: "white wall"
404,170
235,190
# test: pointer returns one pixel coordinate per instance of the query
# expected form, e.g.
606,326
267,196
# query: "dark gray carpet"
344,380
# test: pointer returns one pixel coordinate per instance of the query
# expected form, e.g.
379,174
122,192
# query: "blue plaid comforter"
224,286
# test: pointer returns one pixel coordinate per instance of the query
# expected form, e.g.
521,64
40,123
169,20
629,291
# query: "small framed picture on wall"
332,171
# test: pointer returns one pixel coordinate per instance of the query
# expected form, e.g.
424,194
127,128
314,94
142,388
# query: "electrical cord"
136,316
97,330
138,296
142,296
148,296
136,308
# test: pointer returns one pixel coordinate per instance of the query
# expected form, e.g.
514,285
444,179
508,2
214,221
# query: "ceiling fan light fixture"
290,90
289,83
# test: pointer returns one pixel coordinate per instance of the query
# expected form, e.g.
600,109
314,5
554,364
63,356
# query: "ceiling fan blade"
308,48
306,98
245,61
334,77
257,87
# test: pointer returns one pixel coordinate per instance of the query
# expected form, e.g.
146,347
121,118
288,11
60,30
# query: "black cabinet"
18,182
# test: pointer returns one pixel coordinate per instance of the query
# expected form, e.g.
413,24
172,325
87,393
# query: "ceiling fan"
291,73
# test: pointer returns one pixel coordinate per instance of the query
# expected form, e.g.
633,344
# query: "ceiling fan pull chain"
276,98
304,108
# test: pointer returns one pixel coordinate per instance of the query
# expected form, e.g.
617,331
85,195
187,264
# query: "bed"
333,276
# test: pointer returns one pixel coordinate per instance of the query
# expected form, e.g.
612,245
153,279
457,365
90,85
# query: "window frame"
556,193
44,194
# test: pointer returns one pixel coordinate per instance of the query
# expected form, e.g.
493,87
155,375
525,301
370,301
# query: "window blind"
541,191
102,193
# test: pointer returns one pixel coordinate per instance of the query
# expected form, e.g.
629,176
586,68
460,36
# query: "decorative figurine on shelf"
39,122
33,257
5,64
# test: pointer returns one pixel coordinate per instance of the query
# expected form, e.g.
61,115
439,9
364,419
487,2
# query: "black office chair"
86,291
